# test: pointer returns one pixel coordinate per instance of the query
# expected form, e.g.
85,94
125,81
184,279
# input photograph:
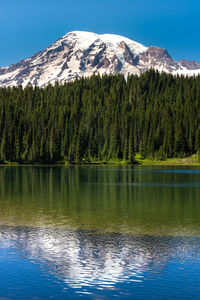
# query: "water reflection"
108,199
87,259
99,232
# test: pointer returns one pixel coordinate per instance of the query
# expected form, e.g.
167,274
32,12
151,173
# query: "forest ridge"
101,119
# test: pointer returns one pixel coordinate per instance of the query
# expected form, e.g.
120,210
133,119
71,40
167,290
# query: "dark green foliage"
101,118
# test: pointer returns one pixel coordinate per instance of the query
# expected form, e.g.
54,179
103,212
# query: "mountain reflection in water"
84,258
99,232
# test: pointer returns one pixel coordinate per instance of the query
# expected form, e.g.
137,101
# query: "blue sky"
28,26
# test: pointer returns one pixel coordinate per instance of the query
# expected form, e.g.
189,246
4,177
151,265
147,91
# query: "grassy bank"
190,160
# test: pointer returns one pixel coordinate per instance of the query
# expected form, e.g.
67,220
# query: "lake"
99,232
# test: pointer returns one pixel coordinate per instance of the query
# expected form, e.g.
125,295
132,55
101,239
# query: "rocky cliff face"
158,58
83,53
190,65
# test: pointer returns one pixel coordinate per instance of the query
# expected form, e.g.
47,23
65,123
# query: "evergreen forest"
101,118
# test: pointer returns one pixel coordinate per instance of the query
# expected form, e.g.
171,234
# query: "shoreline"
138,161
149,163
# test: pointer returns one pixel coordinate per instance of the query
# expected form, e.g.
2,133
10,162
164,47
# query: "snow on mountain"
80,53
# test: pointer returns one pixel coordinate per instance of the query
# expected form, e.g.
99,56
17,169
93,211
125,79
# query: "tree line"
101,119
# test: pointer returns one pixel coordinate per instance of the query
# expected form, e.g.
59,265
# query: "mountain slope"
80,53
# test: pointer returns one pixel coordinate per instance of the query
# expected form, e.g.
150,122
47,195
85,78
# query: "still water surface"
99,232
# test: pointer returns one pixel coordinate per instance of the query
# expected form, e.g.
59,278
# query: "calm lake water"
99,232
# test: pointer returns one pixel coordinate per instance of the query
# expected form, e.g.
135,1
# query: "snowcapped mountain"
81,53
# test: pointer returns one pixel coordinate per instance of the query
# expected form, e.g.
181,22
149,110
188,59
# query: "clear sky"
28,26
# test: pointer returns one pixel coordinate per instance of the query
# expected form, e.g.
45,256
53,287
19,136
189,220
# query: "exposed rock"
117,64
98,58
64,66
128,55
189,64
158,57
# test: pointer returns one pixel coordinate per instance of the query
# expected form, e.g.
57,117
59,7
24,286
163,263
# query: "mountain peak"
82,53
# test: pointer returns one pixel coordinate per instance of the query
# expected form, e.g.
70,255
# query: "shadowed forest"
106,118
